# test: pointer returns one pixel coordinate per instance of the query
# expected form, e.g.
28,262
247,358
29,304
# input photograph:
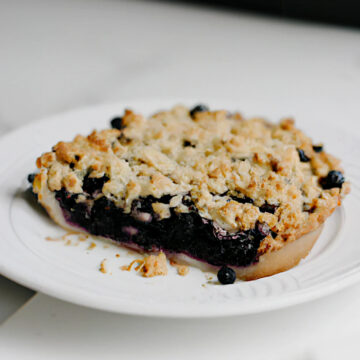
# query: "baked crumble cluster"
250,182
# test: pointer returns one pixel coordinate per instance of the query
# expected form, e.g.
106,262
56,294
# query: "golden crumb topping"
235,171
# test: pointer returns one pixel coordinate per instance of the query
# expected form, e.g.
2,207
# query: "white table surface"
57,55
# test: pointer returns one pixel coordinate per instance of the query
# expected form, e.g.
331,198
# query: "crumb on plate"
92,246
154,265
182,270
103,267
150,266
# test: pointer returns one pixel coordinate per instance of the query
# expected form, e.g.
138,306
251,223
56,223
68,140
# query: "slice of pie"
208,188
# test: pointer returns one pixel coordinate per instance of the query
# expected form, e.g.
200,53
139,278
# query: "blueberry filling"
302,156
93,184
226,275
187,143
186,233
269,208
333,179
117,123
198,108
242,200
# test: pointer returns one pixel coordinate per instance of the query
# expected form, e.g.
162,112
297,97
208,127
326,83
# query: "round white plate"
69,269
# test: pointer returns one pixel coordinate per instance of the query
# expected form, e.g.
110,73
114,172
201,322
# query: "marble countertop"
61,55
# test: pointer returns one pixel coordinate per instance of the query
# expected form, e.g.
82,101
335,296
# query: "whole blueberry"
270,208
242,200
302,156
332,180
198,108
188,143
226,275
116,123
31,178
318,148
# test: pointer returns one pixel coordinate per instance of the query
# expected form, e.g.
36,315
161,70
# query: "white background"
57,55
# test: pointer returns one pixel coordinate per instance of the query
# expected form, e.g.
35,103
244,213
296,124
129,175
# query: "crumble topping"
230,168
154,265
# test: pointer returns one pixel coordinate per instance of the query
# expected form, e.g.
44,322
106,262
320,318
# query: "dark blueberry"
189,203
77,157
187,143
116,123
31,178
165,199
333,179
269,208
242,200
273,234
72,165
226,275
198,108
318,148
234,159
92,184
302,156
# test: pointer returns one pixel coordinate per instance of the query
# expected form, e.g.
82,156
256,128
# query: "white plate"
72,272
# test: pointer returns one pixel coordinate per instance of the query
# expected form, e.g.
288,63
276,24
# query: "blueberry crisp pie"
243,197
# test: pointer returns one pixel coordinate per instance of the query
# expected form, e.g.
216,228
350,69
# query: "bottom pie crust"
269,264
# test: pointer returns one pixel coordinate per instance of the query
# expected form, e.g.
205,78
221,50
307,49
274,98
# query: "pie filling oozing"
187,233
208,184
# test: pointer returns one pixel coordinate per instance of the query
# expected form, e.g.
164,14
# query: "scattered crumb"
203,285
69,233
48,238
209,277
128,267
65,238
154,265
92,246
150,266
140,266
117,255
103,266
182,270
